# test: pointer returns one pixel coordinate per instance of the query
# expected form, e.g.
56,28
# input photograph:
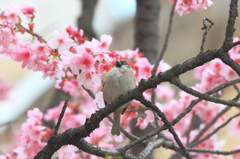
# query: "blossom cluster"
189,6
32,139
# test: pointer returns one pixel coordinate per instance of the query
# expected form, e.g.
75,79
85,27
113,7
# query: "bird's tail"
116,124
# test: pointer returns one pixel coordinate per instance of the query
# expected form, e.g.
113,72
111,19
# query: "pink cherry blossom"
144,68
40,49
37,63
24,56
70,86
235,49
104,42
88,79
165,92
53,69
20,152
104,67
236,155
35,113
12,14
99,100
127,54
163,66
102,57
228,73
234,126
61,41
68,151
189,6
74,33
28,10
89,47
85,63
33,147
6,156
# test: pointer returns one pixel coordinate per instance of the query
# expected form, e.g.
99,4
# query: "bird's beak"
118,63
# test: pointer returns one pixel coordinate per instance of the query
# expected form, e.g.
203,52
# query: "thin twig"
149,148
190,127
176,81
164,48
99,151
33,34
166,122
200,134
236,43
215,130
212,151
194,102
206,28
89,92
165,44
60,117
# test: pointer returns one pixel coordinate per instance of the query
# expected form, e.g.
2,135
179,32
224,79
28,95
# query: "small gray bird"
117,81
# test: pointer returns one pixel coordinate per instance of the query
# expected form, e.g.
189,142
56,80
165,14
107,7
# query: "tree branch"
176,81
206,28
98,151
166,122
233,13
215,130
149,148
60,117
165,44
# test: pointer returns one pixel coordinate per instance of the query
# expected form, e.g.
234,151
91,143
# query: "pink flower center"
61,41
88,76
104,44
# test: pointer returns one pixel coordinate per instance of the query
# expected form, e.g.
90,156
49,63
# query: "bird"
119,80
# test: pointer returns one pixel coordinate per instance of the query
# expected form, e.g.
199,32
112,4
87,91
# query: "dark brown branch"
98,151
233,13
208,126
236,43
176,81
166,123
213,151
149,148
60,117
90,93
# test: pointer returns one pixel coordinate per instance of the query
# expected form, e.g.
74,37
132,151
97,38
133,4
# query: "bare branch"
33,34
199,135
194,102
149,148
176,81
206,28
215,130
60,117
99,151
165,44
213,151
233,13
166,122
89,92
